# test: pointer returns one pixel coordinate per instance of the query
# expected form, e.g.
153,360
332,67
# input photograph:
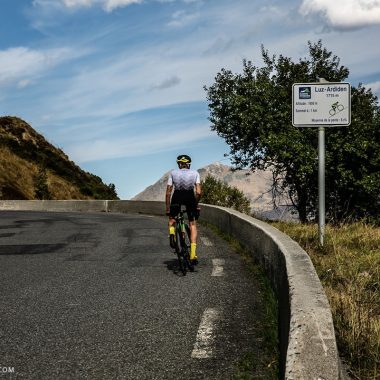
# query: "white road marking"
206,241
205,336
217,269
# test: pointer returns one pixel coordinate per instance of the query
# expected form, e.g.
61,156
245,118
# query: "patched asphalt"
100,296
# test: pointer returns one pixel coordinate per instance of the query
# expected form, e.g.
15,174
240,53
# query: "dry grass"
62,189
349,268
20,174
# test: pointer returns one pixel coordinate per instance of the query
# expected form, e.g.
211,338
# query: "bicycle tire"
340,107
186,249
181,259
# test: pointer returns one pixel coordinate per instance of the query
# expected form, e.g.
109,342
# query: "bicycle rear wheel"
186,246
178,248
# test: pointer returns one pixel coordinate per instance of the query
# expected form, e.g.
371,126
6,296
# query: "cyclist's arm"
167,197
198,192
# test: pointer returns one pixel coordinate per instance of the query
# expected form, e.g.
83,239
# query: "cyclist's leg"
191,207
172,232
193,234
193,240
174,210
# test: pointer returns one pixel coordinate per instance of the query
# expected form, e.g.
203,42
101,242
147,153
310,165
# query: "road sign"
321,104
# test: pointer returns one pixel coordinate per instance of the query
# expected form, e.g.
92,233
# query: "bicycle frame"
182,249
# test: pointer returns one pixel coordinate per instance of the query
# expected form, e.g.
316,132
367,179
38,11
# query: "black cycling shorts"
186,198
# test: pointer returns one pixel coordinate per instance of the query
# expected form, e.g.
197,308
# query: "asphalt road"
100,296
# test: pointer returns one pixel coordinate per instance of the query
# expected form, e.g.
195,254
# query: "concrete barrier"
64,205
307,341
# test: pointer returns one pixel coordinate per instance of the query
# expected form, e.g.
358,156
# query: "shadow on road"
30,249
173,266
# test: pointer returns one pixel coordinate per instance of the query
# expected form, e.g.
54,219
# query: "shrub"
215,192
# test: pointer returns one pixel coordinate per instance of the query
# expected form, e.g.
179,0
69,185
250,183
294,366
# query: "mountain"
31,167
255,186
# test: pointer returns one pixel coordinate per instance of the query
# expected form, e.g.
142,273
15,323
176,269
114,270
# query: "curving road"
99,296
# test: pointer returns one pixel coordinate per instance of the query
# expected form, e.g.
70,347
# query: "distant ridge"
26,158
255,186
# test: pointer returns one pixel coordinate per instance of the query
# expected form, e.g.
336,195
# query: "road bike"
182,242
335,108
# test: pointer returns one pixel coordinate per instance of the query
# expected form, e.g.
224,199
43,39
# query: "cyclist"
187,191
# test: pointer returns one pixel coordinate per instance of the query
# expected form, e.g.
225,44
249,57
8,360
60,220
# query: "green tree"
112,191
252,111
91,189
41,185
215,192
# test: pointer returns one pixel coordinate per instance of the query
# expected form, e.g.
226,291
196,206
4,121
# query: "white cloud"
108,5
19,63
344,14
182,18
23,83
77,3
102,149
374,86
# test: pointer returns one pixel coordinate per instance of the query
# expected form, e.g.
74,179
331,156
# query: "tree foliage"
41,184
252,111
216,192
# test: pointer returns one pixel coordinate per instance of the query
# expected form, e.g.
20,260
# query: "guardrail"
307,341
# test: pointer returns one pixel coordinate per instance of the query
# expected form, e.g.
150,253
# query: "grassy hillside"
32,168
349,268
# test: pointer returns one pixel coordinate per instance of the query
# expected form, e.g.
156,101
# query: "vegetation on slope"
349,268
32,168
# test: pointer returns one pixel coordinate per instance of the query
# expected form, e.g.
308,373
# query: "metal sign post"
319,105
321,185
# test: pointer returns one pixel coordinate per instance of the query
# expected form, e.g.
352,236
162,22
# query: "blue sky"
118,84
